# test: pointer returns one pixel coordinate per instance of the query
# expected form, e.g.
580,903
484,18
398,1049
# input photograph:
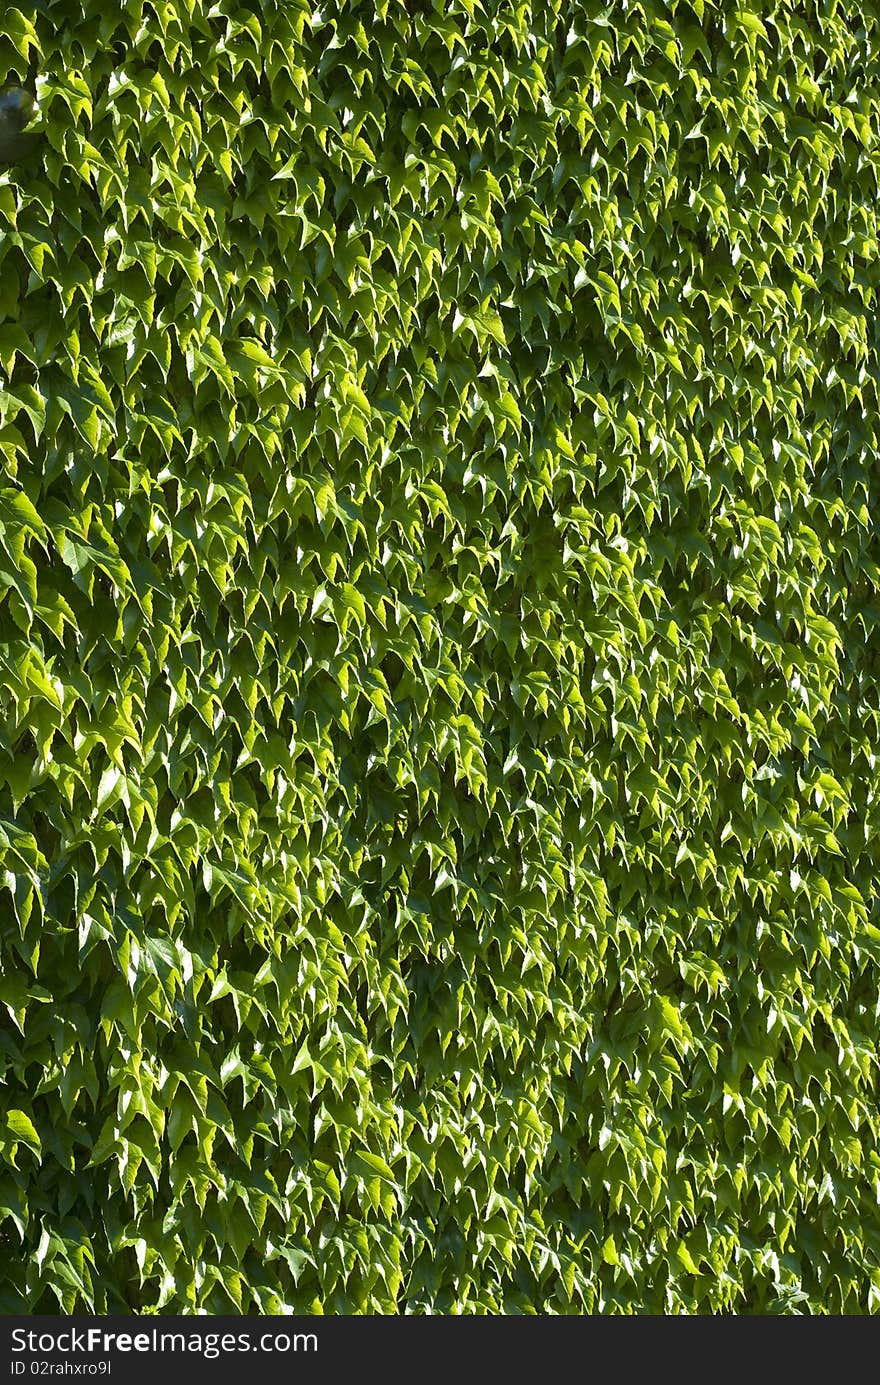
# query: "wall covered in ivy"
439,610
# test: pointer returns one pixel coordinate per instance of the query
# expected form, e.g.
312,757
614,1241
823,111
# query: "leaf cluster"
439,610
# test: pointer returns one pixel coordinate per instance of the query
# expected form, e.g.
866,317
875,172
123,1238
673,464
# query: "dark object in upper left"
16,109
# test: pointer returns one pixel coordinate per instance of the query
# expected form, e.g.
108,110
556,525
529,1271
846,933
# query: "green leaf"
21,1127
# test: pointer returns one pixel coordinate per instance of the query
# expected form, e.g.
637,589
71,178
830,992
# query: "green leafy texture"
439,610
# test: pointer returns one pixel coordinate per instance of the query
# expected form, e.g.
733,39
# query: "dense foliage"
439,608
